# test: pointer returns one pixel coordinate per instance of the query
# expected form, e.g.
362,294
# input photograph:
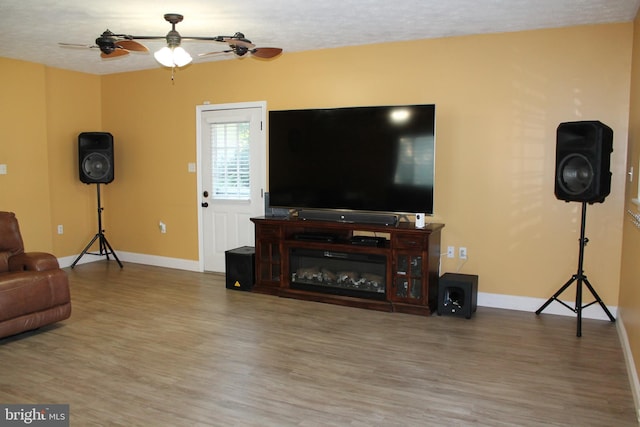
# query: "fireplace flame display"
350,273
354,280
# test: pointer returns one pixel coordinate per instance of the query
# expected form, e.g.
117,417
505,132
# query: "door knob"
205,205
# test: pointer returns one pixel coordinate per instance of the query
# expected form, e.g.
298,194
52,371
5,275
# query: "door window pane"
230,161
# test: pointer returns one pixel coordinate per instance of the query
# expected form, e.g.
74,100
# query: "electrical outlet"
163,227
462,253
60,229
451,251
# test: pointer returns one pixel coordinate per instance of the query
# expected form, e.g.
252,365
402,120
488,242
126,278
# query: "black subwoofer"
583,152
457,294
240,268
95,157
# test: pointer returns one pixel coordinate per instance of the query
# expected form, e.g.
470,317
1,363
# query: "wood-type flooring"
150,346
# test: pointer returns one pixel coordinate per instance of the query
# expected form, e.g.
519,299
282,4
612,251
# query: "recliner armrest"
33,261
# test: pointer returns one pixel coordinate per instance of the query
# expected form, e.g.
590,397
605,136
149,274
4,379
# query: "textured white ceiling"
31,29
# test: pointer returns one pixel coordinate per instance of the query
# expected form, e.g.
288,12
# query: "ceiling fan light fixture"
173,56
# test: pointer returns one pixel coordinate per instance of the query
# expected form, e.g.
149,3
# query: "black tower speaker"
458,294
95,157
240,268
583,153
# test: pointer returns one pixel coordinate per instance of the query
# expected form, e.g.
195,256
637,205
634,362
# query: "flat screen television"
372,159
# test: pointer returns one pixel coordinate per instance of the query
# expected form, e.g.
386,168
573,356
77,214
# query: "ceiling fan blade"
116,53
77,45
147,37
266,52
215,52
132,45
237,42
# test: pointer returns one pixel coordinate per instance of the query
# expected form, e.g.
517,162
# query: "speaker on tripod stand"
95,157
583,151
95,166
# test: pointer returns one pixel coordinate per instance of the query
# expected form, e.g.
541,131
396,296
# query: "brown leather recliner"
34,291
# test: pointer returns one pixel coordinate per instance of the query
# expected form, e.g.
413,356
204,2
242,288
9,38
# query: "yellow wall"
73,106
24,149
153,124
629,302
499,100
41,113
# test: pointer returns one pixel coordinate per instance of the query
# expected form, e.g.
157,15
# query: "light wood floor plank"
148,346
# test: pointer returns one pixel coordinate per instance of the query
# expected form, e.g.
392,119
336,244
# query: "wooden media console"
380,267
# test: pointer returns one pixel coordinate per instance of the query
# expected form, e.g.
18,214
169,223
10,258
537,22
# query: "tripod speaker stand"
580,278
105,247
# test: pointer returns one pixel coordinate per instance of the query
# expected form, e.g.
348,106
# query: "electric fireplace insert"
339,273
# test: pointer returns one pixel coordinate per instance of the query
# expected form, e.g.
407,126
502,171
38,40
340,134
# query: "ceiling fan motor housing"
106,46
106,42
173,38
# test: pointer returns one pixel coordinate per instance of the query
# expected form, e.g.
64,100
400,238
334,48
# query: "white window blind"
230,161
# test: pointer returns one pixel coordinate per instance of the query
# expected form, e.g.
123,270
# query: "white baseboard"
158,261
511,302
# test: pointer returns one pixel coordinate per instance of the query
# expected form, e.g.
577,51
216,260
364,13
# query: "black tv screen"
377,158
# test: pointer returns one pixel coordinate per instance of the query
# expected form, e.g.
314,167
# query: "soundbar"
351,217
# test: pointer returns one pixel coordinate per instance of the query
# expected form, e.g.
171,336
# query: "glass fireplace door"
341,273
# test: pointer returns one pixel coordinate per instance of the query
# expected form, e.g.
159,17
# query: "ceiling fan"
173,55
112,45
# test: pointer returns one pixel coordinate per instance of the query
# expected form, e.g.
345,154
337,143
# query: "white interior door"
232,163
